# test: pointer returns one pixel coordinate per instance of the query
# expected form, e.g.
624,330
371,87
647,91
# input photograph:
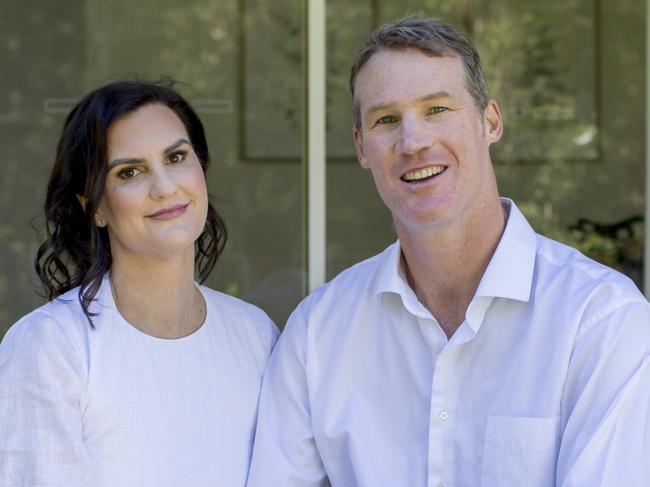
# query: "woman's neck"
158,296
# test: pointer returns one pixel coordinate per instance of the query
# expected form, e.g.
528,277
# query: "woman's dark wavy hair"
76,252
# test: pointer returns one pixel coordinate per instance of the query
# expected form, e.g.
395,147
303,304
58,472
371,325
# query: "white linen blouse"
112,406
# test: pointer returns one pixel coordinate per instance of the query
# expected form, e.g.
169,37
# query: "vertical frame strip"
646,256
316,175
646,221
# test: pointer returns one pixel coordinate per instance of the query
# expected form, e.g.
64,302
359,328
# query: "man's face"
423,139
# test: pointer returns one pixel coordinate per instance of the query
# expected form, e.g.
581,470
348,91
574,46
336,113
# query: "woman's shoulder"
60,322
233,305
235,312
47,342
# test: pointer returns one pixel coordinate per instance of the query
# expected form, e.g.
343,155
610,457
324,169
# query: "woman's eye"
177,157
438,109
128,173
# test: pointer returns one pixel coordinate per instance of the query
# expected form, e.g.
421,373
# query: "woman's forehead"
147,128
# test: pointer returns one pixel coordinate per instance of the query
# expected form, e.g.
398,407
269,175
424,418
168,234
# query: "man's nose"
414,136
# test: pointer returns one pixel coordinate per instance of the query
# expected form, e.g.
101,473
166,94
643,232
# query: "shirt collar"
508,275
389,277
510,271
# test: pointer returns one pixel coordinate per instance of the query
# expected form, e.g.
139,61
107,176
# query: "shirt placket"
441,409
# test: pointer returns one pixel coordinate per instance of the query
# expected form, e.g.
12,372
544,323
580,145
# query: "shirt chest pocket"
520,451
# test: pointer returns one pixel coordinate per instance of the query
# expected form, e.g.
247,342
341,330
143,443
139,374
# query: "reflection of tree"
195,42
562,163
190,41
228,50
539,78
556,190
532,71
622,242
535,68
274,57
41,53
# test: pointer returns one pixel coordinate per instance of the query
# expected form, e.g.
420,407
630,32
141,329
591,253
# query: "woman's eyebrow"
136,160
123,161
176,144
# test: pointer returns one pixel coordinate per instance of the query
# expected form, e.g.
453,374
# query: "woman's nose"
163,183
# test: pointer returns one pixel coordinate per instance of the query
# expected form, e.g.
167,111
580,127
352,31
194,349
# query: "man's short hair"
434,38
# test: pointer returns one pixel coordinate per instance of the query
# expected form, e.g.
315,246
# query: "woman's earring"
99,222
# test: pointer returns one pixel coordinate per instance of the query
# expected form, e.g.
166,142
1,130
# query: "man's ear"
357,136
492,122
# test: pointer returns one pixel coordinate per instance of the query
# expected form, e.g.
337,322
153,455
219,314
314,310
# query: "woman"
132,374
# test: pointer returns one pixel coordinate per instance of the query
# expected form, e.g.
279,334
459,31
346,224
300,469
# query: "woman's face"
155,201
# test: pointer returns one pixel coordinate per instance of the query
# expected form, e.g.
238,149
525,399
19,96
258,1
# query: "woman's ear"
82,201
99,221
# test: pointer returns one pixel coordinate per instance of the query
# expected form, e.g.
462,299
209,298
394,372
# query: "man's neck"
445,265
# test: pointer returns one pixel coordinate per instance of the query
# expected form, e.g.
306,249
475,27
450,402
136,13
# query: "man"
472,352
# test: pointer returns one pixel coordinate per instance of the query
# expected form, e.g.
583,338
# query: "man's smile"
423,174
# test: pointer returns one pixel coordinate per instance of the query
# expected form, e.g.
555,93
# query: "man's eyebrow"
435,96
136,160
377,107
428,97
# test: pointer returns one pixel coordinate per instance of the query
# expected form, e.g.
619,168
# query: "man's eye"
438,109
128,173
387,119
177,157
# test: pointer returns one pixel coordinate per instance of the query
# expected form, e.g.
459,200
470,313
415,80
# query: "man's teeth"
423,173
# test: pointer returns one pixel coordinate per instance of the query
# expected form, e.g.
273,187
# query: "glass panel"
358,225
573,98
42,54
240,62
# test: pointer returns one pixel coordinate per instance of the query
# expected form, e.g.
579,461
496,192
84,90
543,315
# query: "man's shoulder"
357,276
336,308
561,264
350,284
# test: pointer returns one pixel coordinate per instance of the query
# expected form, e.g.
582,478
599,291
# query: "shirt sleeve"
285,452
606,403
41,384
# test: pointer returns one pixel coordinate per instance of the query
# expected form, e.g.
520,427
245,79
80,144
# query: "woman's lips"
169,213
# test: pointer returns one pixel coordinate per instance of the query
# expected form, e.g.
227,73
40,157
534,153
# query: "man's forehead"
409,72
400,55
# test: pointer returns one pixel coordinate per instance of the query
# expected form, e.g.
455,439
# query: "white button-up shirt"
545,383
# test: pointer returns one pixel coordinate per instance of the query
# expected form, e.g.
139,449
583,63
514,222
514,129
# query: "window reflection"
572,94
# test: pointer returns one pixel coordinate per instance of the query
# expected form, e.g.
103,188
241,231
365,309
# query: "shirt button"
436,348
440,484
443,415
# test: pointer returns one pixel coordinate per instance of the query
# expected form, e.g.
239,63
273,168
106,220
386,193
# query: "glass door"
573,100
239,62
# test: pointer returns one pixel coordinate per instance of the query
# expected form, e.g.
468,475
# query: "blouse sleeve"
42,384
